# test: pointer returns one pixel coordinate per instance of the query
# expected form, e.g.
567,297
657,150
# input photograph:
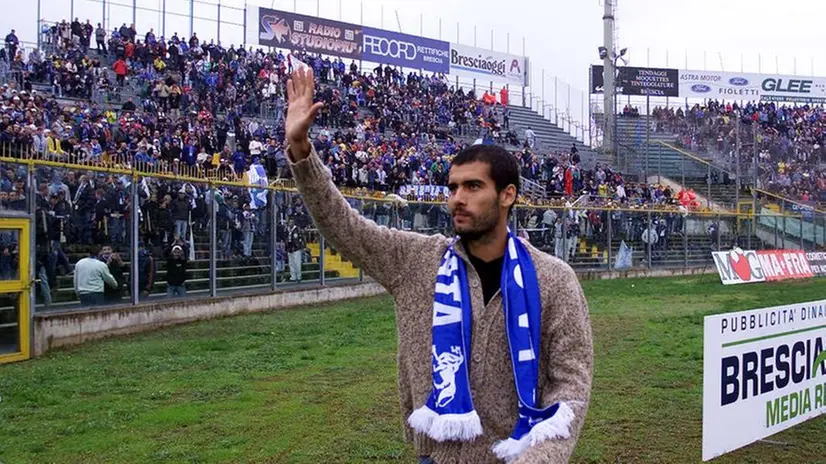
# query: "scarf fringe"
463,427
557,426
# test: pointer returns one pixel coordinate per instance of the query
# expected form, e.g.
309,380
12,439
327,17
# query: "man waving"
495,351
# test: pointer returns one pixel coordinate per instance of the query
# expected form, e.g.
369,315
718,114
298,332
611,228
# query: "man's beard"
479,226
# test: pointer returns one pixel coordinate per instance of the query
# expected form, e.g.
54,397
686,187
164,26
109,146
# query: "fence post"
191,17
163,18
648,242
32,209
40,47
395,222
218,27
708,181
244,40
514,222
556,107
775,231
274,239
133,240
685,241
610,237
565,234
784,231
213,241
802,243
719,231
322,245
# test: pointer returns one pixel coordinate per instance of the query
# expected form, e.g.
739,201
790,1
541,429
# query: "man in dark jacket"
180,213
146,270
100,39
77,30
117,268
84,204
12,42
176,270
295,250
101,216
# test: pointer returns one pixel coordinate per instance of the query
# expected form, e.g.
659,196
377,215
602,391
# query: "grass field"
319,386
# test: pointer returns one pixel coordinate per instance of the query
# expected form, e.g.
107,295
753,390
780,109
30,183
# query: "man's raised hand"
301,112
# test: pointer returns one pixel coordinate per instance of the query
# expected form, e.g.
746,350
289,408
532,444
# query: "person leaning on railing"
91,278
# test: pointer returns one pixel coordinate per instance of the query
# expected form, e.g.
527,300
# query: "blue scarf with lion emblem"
448,413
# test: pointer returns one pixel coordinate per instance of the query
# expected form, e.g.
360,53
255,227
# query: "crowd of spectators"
202,110
378,130
789,141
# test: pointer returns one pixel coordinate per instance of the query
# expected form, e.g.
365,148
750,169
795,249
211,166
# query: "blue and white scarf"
448,413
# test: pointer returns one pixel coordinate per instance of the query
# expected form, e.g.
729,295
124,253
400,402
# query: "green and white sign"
764,371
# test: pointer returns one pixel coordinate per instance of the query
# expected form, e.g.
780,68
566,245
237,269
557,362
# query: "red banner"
785,264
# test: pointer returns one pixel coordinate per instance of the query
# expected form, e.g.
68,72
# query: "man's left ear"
508,196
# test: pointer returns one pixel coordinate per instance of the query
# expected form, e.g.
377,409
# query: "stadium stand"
197,121
788,139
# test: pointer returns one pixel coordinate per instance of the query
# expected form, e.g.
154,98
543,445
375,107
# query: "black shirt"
176,271
490,273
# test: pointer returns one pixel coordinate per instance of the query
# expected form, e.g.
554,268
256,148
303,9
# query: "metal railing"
232,250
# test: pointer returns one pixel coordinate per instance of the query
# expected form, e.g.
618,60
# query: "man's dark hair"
504,169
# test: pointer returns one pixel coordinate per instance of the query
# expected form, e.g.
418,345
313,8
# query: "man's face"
106,252
474,203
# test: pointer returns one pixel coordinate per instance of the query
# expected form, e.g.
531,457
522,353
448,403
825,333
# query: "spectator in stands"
121,69
91,278
176,267
650,237
12,42
180,210
100,39
225,225
146,270
249,223
118,270
530,138
295,250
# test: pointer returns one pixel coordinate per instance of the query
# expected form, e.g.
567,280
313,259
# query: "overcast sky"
561,36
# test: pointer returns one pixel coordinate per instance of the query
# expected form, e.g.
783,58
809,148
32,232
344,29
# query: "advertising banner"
656,82
748,266
317,35
597,79
817,261
405,50
750,86
488,65
422,191
764,371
